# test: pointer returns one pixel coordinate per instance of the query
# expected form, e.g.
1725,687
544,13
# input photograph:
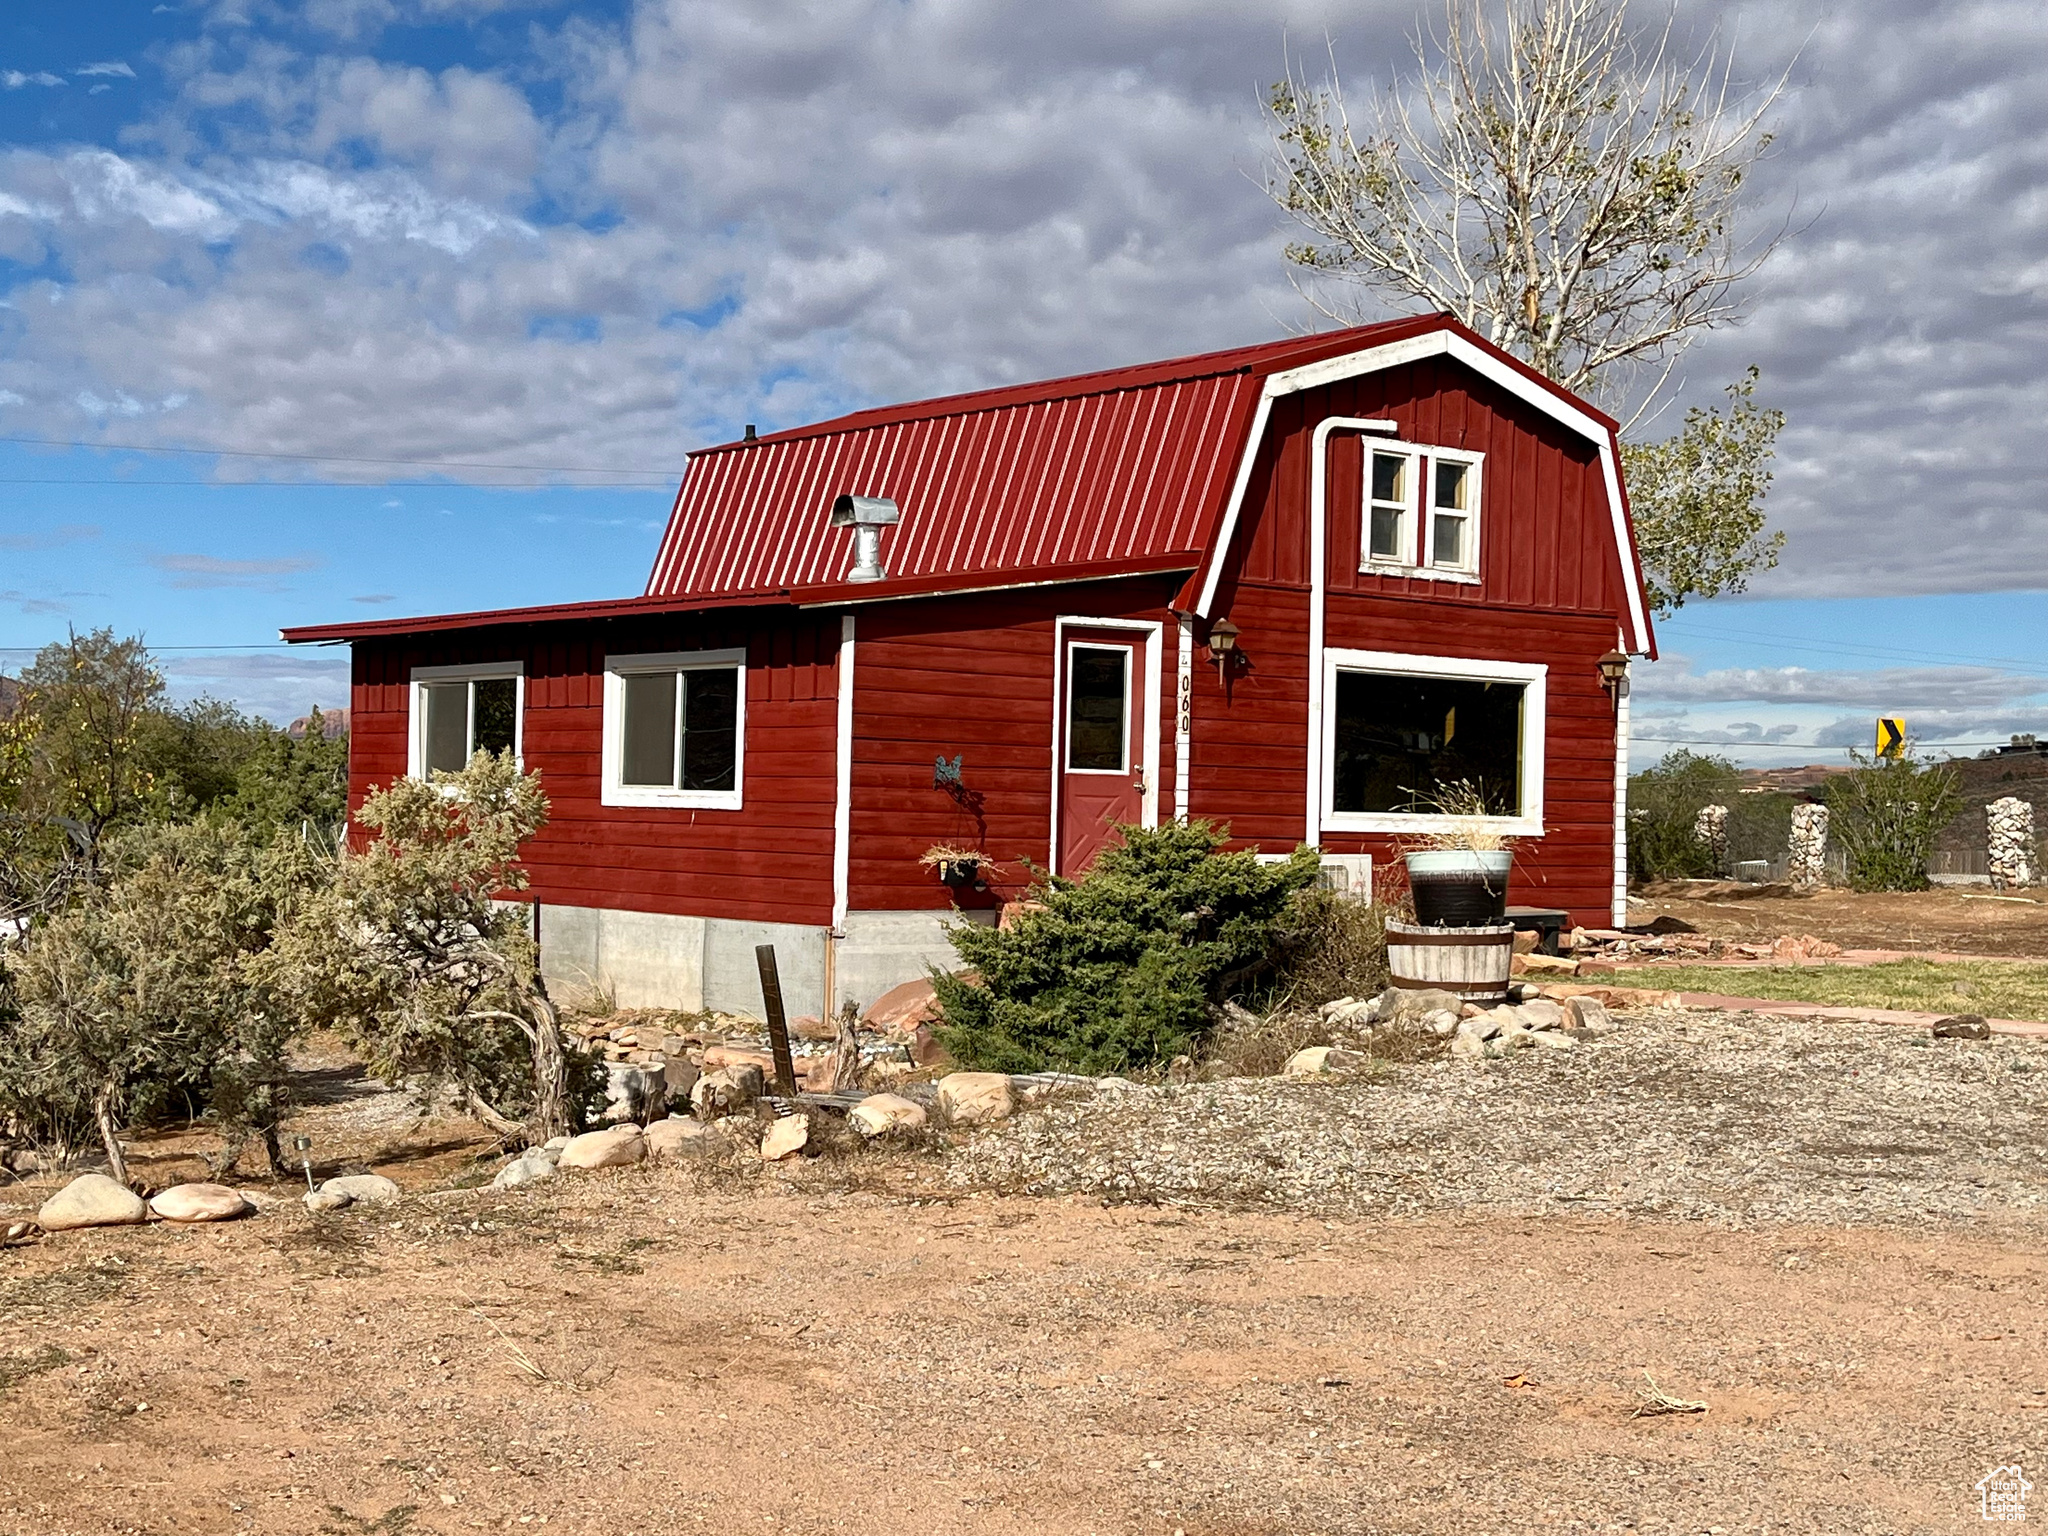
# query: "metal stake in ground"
778,1026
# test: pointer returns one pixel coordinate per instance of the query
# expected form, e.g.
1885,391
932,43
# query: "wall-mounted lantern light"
1614,674
1222,643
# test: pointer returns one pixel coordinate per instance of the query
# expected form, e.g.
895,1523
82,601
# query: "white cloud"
1883,688
196,572
630,239
107,67
14,79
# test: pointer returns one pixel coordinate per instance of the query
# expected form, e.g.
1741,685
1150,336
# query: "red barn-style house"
1290,587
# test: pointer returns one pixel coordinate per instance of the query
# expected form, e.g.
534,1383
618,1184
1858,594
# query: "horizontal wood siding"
973,678
770,861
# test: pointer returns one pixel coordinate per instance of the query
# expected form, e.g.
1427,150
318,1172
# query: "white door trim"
1154,632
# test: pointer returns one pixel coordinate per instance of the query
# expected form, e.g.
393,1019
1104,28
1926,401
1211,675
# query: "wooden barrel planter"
1471,963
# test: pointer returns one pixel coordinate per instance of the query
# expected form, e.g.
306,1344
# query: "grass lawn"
1996,989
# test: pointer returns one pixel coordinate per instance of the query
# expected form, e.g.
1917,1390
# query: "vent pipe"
867,516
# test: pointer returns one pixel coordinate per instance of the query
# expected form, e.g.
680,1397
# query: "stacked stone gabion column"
1710,830
2009,842
1807,852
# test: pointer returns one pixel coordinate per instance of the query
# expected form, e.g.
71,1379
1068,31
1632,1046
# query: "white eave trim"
1414,349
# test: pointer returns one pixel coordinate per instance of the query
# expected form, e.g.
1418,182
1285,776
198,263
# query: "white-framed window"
459,711
675,729
1421,514
1398,729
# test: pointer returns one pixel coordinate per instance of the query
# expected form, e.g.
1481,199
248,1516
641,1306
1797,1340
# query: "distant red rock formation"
333,723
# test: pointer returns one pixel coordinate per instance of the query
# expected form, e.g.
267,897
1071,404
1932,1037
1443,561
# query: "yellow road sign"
1891,736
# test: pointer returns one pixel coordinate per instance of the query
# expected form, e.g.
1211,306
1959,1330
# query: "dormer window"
1421,511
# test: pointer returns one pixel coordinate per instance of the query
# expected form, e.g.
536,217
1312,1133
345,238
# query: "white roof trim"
1413,349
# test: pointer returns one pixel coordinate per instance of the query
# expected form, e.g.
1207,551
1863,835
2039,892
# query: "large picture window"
675,729
1400,729
458,712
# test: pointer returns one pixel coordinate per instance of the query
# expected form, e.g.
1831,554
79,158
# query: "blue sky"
373,244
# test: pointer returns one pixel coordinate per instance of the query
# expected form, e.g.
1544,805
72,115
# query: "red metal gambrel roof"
1102,470
1102,474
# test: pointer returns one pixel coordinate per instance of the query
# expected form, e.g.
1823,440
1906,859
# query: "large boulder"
91,1200
974,1098
200,1202
363,1188
726,1091
674,1138
529,1169
620,1147
880,1114
719,1057
902,1008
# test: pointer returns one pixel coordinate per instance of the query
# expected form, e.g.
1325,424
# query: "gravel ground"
1733,1118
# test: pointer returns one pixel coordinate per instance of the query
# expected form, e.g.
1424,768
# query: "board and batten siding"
769,861
1549,592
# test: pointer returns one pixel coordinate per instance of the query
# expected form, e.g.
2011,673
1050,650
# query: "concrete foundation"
657,960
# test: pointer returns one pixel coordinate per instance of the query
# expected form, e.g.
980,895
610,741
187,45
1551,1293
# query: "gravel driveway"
1735,1118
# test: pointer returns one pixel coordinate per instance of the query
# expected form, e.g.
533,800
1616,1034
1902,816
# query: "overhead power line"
329,458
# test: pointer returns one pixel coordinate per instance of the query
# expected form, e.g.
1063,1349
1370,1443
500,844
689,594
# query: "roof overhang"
837,594
1451,340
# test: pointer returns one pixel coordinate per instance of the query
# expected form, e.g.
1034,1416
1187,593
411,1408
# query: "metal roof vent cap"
867,516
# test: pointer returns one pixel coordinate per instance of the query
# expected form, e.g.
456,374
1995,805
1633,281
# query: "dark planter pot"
1456,888
960,874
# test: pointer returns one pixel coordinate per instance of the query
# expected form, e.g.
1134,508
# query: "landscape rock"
555,1143
727,1090
879,1114
719,1058
902,1008
91,1200
1550,1039
1351,1012
1443,1023
1516,1039
785,1137
975,1098
1963,1026
1588,1014
363,1188
1541,1013
524,1170
678,1138
1401,1004
1468,1043
620,1147
678,1077
200,1202
21,1232
327,1200
1322,1060
1544,965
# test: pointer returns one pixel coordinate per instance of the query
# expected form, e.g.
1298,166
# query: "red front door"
1102,754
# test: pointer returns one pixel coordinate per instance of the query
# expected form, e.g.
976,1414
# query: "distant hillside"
2020,773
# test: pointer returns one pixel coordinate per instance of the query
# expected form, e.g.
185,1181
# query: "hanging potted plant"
959,868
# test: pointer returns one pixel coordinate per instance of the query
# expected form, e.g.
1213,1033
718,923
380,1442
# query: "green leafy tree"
1698,500
415,956
1120,968
1663,805
1886,816
93,700
1569,186
296,785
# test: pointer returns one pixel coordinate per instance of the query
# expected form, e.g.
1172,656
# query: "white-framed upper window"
1421,513
675,729
1399,729
458,712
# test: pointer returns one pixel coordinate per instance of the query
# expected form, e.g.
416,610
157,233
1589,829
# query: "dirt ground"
642,1351
1969,922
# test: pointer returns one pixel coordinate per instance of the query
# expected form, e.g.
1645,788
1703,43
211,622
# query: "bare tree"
1564,184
